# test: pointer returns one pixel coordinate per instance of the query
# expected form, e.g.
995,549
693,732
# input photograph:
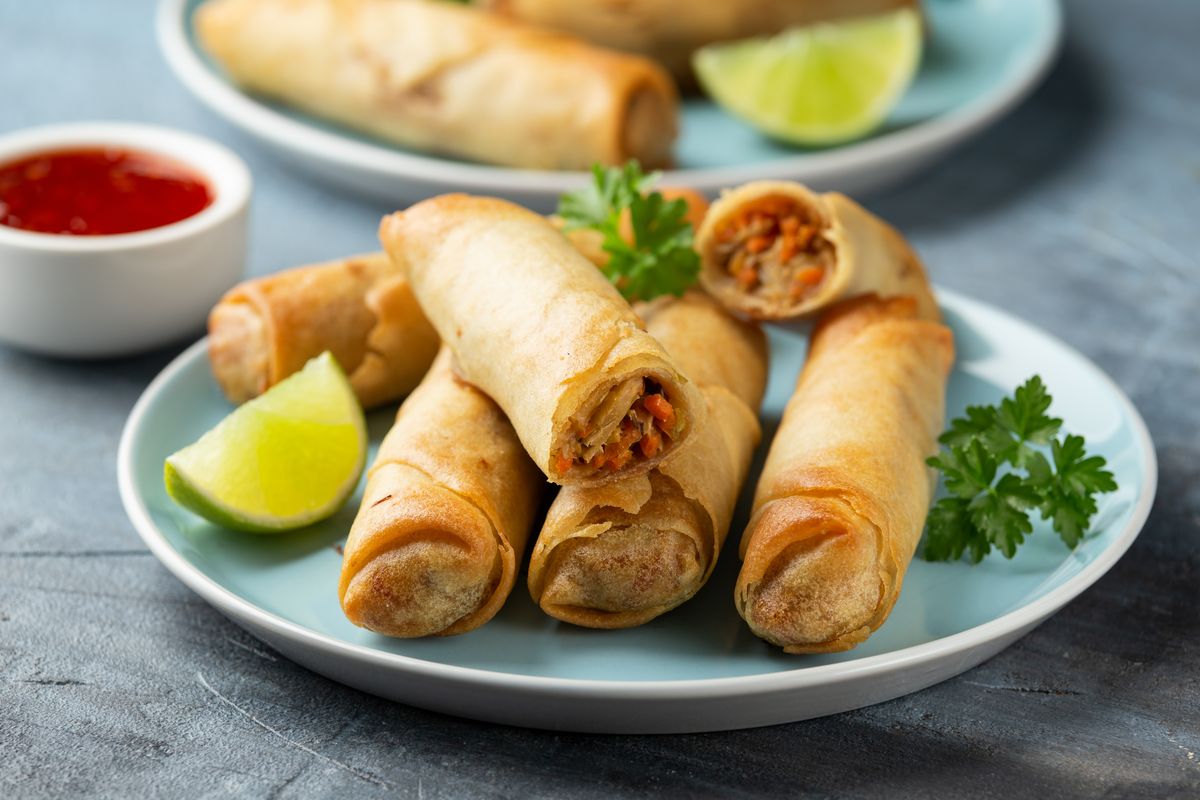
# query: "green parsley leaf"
1038,469
979,424
950,533
967,470
1080,473
990,500
999,512
660,259
598,205
1069,499
1024,415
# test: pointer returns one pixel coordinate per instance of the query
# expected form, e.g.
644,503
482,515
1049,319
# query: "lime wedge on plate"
283,460
819,84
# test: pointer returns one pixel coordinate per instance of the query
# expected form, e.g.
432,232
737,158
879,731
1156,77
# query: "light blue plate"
949,616
981,58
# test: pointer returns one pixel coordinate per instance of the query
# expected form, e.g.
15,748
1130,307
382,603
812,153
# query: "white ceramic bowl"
94,296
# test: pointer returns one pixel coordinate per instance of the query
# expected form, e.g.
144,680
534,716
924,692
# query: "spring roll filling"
775,248
606,442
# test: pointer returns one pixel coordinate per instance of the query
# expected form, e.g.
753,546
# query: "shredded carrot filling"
775,247
646,428
562,463
660,409
650,444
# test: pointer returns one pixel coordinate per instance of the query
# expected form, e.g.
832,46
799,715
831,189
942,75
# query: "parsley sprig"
660,259
982,460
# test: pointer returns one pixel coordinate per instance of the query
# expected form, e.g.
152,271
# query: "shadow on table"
1023,152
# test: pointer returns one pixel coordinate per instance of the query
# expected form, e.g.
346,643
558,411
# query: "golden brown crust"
843,495
621,568
821,570
240,347
444,518
865,255
423,587
619,555
449,79
361,309
710,346
536,326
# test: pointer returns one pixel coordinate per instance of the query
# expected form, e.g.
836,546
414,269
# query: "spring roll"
775,251
448,79
445,515
536,326
669,31
619,555
844,493
361,309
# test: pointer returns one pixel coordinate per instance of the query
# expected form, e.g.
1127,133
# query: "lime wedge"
283,460
819,84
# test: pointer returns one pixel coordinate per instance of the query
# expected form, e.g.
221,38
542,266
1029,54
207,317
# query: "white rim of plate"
293,135
695,688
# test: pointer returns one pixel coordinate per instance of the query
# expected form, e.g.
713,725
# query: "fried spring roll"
536,326
775,250
619,555
445,515
844,493
449,79
669,31
361,309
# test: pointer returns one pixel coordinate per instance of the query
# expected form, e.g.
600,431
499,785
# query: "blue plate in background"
981,59
698,667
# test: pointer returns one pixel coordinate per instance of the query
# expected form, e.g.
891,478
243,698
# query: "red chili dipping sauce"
98,191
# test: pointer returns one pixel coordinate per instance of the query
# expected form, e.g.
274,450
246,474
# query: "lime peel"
819,84
286,459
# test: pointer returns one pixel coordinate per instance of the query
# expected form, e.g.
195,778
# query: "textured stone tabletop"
1080,212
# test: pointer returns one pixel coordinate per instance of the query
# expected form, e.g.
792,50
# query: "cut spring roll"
669,31
444,518
775,250
361,309
536,326
619,555
445,78
844,493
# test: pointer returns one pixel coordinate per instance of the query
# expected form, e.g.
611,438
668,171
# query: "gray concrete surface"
1080,212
